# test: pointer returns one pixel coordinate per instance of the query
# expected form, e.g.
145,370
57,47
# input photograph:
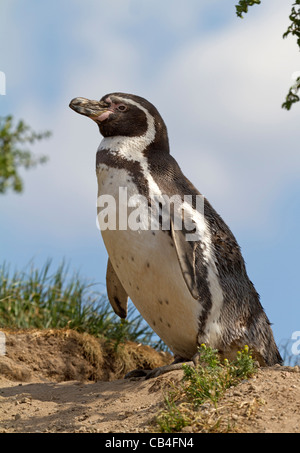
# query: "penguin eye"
122,108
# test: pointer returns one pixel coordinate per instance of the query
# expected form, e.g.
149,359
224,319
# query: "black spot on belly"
132,259
160,302
169,325
153,232
138,288
167,302
148,265
160,319
154,323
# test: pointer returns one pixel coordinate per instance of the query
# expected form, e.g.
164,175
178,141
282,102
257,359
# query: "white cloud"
223,96
219,92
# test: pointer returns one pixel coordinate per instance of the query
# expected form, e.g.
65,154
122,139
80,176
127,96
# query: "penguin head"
125,115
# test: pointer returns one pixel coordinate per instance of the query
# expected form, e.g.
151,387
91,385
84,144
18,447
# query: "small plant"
207,382
203,382
173,418
244,366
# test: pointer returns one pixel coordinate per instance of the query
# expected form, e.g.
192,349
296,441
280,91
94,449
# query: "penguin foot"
165,369
196,359
137,373
149,374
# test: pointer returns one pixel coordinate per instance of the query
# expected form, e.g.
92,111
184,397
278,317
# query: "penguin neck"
154,140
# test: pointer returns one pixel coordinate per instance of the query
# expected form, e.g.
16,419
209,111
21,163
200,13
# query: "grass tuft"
45,298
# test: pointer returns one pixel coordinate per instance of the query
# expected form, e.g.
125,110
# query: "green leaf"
242,7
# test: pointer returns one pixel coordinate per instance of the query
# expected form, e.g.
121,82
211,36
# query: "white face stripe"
131,148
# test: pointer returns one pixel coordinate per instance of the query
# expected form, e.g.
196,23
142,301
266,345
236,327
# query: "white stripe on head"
131,148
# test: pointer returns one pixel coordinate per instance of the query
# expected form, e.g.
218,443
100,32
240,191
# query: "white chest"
147,265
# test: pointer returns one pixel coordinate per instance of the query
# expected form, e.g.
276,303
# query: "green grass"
45,298
207,382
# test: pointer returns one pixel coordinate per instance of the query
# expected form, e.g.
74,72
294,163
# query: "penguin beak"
96,110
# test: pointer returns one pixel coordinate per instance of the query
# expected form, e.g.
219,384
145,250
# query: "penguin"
178,262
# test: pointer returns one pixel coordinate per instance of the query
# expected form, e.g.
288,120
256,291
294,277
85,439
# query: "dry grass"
65,354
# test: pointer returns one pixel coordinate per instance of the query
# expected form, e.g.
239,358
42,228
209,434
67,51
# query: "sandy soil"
62,381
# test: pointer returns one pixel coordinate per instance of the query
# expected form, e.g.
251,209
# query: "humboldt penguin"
169,251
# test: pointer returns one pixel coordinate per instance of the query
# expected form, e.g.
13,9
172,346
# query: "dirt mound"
63,381
64,355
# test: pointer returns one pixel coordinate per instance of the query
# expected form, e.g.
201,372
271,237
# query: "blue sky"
218,82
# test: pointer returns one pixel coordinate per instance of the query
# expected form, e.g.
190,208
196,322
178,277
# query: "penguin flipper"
186,253
117,295
192,263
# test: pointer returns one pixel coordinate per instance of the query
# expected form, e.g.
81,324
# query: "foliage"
207,381
293,29
12,156
292,96
44,299
242,7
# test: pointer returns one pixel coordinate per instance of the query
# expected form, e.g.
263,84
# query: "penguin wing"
117,295
192,264
194,257
222,252
186,253
172,182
